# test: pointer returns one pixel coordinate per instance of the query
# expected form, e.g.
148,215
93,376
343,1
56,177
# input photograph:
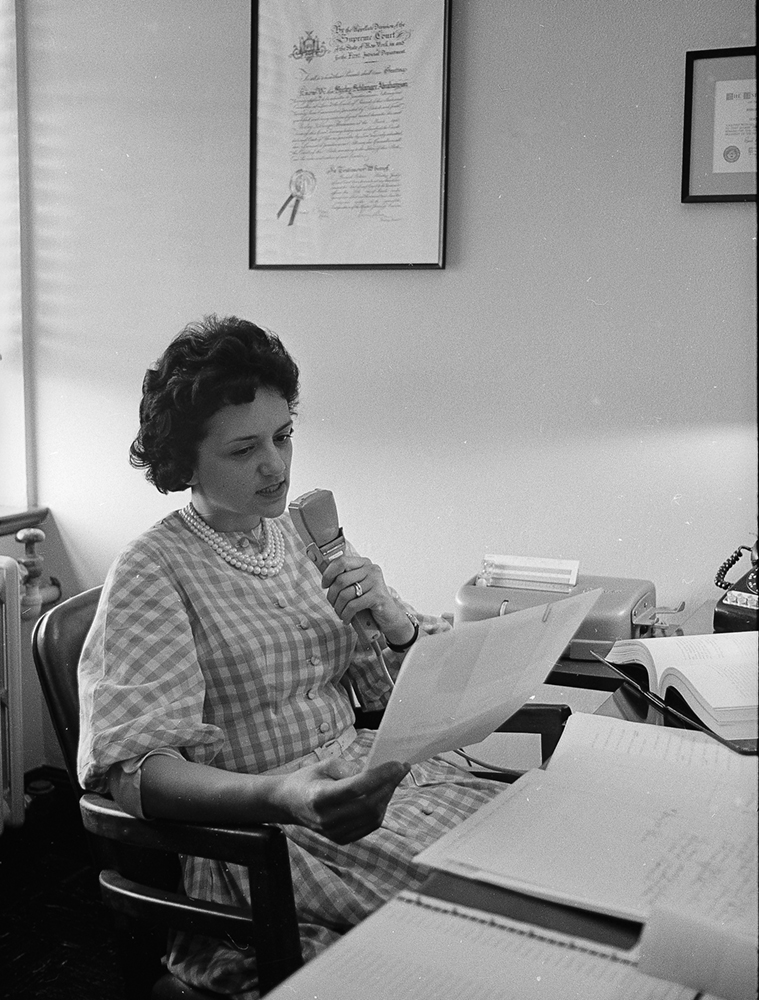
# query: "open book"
715,675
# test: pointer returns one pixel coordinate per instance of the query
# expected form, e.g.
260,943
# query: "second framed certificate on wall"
348,133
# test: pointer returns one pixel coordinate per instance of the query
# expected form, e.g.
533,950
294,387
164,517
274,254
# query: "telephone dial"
737,610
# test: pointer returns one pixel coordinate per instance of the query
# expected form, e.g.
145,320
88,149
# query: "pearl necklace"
267,562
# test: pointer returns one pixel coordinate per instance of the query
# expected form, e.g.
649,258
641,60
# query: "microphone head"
315,517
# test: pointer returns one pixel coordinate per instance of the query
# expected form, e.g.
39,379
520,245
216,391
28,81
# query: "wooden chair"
139,860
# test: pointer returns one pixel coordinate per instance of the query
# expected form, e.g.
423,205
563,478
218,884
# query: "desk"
625,704
466,940
389,945
652,824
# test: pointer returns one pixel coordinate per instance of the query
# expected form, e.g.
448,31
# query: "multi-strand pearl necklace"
267,562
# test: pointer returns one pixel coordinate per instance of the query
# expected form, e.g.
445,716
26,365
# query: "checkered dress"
243,673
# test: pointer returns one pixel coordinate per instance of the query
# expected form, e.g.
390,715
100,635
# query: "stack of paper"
528,573
630,820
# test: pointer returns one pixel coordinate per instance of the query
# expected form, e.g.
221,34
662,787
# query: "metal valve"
33,593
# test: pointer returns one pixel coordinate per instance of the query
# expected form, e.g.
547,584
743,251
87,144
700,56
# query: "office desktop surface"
629,820
463,945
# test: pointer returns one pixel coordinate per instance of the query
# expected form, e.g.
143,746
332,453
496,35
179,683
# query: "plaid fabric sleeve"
140,683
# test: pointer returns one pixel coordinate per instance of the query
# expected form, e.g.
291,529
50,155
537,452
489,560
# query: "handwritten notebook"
625,816
419,948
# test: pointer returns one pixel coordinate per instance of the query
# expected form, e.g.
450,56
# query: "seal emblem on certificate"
308,48
302,185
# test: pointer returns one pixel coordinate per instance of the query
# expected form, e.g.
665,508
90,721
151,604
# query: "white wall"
579,380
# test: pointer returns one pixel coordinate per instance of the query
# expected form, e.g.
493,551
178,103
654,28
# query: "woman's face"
242,471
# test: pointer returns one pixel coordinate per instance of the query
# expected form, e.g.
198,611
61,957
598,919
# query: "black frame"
439,263
698,129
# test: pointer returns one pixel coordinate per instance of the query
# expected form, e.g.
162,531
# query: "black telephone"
737,610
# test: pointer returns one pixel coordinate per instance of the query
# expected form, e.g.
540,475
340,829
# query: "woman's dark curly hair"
209,365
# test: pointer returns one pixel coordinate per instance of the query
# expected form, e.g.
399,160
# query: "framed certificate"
348,133
719,135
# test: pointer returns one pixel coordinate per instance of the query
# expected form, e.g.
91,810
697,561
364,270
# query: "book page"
419,947
722,667
457,687
620,834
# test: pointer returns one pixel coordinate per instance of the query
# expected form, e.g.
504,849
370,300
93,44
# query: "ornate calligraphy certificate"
348,133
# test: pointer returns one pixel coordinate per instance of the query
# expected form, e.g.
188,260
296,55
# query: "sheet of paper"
699,952
625,749
618,831
422,949
457,687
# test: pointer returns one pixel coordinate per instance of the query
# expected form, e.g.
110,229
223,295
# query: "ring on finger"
357,587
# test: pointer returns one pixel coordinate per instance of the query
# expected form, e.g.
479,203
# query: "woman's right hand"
339,801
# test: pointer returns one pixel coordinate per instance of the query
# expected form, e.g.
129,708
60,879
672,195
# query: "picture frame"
719,127
349,133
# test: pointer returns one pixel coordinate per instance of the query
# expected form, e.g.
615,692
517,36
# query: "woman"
211,683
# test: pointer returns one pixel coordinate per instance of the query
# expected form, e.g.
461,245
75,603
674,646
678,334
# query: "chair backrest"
57,643
140,858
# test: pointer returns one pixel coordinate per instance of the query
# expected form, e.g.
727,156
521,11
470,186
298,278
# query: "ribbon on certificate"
302,185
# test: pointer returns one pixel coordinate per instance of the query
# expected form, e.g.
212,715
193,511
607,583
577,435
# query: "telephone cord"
381,661
727,565
481,763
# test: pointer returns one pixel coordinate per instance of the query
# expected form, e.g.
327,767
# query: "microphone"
315,518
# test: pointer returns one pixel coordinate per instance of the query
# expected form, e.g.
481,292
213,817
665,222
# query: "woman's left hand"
354,584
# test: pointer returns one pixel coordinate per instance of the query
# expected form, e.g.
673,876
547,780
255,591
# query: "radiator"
11,735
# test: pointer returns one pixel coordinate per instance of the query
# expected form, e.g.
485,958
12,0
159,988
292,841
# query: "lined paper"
417,948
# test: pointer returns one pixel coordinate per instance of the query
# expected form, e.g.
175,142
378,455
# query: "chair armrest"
547,720
104,818
175,909
262,849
